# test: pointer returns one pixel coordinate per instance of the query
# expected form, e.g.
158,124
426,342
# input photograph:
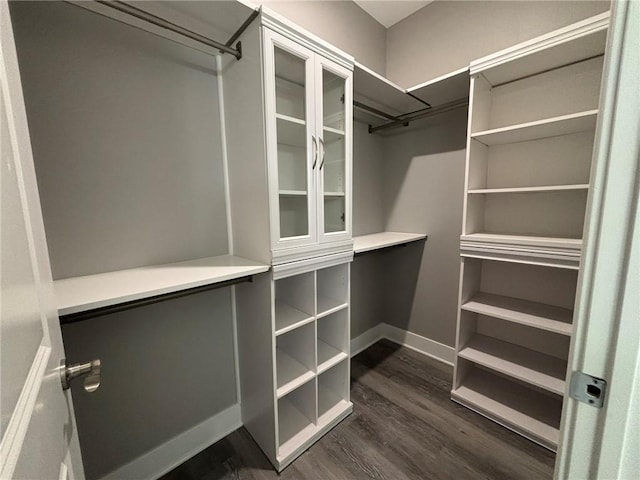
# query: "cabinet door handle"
315,152
322,146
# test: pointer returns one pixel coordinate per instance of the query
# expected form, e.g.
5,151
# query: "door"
292,144
334,126
604,442
38,434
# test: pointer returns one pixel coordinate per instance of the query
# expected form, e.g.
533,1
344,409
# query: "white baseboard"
431,348
367,339
169,455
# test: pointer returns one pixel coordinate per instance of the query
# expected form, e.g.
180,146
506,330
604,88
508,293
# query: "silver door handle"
315,152
323,152
90,369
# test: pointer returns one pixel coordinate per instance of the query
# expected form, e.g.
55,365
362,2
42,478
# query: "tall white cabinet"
291,97
532,119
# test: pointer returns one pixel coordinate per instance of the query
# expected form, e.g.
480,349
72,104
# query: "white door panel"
38,424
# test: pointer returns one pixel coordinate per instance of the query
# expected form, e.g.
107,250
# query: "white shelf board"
328,356
288,118
524,240
79,294
290,373
375,241
530,413
548,127
538,369
294,427
331,135
334,194
327,306
444,89
532,314
376,91
293,193
289,318
291,132
546,188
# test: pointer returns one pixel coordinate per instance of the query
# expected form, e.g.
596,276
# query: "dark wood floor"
404,426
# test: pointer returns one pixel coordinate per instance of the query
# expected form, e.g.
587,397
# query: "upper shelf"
375,241
378,92
444,89
580,41
89,292
549,127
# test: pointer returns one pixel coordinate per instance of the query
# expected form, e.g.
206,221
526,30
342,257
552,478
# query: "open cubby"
294,302
295,358
333,335
333,285
562,91
529,411
296,417
333,392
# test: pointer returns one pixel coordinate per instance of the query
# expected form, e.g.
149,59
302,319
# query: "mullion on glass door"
334,132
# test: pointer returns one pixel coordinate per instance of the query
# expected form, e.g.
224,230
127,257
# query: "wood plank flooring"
404,426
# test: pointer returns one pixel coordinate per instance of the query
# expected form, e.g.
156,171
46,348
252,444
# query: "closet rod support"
241,30
424,113
167,25
120,307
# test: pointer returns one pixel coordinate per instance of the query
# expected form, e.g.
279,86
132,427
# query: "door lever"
90,369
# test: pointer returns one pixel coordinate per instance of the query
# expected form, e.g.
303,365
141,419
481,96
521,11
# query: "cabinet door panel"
292,147
334,103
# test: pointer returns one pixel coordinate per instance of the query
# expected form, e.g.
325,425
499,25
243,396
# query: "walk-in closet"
318,239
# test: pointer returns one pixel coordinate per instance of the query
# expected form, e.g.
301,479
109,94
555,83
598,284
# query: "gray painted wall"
341,23
447,35
165,368
125,131
126,138
423,192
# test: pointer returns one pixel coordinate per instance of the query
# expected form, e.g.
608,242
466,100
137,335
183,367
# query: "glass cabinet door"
335,151
295,145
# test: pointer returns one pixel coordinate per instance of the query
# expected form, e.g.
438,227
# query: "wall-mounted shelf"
549,127
376,241
79,294
444,89
532,314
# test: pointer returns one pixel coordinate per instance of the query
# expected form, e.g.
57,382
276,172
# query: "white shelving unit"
532,117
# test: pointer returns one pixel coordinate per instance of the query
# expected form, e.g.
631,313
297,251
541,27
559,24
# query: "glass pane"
333,164
291,131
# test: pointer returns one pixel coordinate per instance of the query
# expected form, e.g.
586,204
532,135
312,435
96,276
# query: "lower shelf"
523,410
294,427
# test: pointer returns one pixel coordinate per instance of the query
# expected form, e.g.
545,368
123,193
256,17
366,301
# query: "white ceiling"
390,12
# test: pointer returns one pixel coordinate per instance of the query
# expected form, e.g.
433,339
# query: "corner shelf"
80,294
549,127
376,241
443,89
547,188
532,314
542,371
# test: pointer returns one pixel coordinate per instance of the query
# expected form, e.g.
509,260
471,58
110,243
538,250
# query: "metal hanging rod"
375,111
420,114
120,307
175,28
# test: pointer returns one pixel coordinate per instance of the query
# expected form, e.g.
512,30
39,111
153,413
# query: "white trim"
436,350
315,263
287,255
283,26
580,29
169,455
14,435
366,339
